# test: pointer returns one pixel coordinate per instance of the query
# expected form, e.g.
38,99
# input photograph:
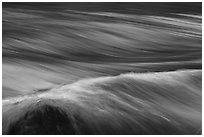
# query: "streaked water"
48,47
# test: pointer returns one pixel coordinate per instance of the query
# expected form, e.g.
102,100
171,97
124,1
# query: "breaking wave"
146,103
102,68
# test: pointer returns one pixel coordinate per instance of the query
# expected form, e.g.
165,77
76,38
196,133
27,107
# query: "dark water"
47,45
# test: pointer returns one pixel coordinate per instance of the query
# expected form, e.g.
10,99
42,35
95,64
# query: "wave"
50,45
132,103
101,68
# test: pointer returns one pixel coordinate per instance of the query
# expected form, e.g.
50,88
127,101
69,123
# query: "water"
49,46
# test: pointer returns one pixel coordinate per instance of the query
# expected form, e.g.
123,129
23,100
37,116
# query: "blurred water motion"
137,66
147,103
45,45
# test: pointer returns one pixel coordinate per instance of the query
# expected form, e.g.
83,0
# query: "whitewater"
101,69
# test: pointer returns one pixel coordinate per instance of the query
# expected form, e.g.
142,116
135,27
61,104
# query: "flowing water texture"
102,68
